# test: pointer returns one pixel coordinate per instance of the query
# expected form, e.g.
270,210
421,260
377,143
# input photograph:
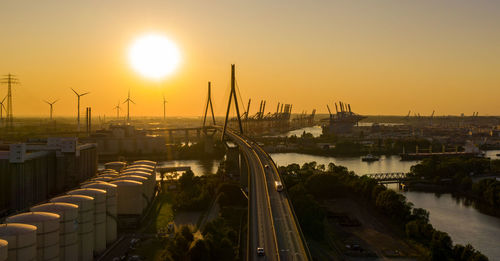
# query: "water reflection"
461,221
199,167
385,164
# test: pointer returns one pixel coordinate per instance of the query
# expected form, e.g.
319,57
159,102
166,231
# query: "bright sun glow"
154,56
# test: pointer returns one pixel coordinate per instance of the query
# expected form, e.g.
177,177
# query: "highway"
272,223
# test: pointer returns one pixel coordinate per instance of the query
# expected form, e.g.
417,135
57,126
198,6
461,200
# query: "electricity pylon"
10,80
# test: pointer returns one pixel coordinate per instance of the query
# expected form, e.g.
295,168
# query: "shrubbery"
459,171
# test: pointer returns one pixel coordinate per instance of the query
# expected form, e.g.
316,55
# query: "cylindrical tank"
136,169
99,196
139,167
68,229
21,240
150,182
85,223
104,171
4,249
111,206
105,179
47,232
144,162
108,175
145,187
116,165
130,198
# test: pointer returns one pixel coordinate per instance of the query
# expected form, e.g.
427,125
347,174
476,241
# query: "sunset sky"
384,57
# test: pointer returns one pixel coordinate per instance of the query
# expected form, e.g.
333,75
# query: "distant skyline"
383,57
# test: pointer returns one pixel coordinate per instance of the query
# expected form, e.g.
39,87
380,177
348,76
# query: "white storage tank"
145,186
108,175
68,229
99,196
136,169
47,232
150,182
104,179
139,167
4,249
111,206
130,199
144,162
104,171
151,168
85,223
21,240
116,165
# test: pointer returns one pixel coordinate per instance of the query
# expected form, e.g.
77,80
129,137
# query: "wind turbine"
117,107
164,102
78,106
51,104
128,100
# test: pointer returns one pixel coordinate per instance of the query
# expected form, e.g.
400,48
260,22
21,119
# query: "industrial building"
125,140
33,172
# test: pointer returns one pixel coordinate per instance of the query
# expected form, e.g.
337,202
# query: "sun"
154,56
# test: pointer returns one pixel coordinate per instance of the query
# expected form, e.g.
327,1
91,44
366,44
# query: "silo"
145,186
150,182
116,165
139,167
130,198
104,171
85,223
21,240
4,249
68,229
104,179
112,201
99,196
108,175
47,232
144,162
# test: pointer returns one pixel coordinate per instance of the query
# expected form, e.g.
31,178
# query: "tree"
200,251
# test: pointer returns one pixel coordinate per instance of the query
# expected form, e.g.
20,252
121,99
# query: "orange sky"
383,57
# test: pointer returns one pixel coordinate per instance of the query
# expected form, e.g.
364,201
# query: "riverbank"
310,185
468,198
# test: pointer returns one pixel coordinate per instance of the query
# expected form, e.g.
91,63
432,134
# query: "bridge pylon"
231,95
209,103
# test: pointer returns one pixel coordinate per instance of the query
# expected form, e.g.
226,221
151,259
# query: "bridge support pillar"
171,136
209,143
186,133
232,160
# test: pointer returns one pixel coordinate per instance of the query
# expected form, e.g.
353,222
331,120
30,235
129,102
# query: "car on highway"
266,166
260,251
278,186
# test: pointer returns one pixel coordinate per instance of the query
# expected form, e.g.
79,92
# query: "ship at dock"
342,122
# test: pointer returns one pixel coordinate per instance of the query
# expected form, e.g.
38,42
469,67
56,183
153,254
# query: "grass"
161,214
159,217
